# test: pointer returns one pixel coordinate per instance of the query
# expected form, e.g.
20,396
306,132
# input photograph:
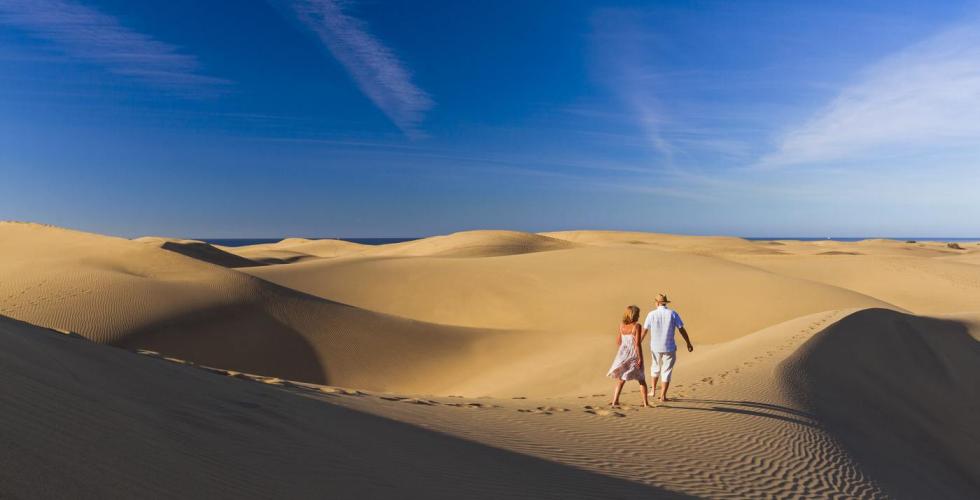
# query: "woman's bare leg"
644,391
616,391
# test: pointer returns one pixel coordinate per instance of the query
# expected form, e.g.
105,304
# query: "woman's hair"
631,315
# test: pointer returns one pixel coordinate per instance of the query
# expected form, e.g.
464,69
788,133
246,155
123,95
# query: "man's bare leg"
653,386
663,391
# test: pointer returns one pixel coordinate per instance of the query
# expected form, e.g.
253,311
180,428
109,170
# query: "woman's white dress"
626,366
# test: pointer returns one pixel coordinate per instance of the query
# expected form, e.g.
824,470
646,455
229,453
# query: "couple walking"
628,365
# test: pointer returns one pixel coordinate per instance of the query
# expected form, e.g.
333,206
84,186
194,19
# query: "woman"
628,364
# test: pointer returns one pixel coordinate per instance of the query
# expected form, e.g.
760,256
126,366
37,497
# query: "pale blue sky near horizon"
398,118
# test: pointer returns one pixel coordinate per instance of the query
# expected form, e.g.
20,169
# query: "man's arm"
690,347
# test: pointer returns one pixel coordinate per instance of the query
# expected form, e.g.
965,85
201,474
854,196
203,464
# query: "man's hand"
687,338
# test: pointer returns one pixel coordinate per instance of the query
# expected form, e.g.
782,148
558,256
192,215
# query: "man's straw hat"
662,298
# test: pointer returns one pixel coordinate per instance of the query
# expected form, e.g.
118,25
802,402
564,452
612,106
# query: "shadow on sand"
902,394
750,408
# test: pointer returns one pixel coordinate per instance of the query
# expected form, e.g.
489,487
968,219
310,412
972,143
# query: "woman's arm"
638,338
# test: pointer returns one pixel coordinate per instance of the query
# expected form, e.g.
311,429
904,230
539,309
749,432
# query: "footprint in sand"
630,408
552,409
419,401
338,391
472,406
537,411
605,413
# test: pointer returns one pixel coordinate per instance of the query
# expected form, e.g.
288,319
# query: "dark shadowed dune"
902,393
83,420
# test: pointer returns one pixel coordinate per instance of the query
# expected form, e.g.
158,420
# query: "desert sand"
472,365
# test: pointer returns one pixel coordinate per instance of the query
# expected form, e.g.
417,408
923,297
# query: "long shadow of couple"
751,408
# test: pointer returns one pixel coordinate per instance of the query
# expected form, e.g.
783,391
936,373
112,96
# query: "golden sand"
473,365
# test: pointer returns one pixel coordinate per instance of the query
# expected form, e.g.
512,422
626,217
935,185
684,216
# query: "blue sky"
406,118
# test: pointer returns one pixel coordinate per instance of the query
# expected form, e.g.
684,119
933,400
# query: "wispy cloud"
86,34
379,74
632,60
924,98
623,48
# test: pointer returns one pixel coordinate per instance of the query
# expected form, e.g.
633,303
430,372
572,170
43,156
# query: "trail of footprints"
754,470
341,391
790,343
611,411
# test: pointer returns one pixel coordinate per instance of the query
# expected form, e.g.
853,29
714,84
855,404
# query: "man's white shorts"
662,364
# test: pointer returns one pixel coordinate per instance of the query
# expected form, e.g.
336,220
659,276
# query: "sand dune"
969,255
575,291
902,393
485,351
199,250
82,420
738,429
693,244
926,285
463,244
294,250
771,414
132,294
567,300
733,432
474,244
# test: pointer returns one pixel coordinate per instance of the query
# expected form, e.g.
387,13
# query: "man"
660,324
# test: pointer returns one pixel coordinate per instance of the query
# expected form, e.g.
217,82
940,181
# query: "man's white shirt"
662,322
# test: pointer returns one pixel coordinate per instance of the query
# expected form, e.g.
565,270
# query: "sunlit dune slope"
462,244
133,294
473,244
807,380
934,284
575,291
394,317
707,245
295,249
